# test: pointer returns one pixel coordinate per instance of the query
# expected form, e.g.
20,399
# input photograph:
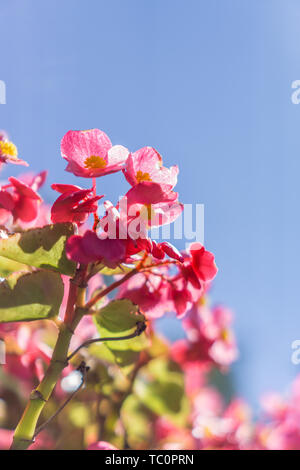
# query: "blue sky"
206,82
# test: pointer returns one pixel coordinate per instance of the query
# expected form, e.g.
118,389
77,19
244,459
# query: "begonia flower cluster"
142,390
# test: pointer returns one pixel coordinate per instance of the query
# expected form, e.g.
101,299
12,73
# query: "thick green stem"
24,432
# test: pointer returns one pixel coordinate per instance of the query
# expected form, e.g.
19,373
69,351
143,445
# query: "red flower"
74,205
203,262
20,200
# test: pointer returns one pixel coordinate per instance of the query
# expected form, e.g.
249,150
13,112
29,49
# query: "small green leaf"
30,296
119,318
40,247
160,387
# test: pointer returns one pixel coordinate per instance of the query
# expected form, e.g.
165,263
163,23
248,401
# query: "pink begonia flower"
146,165
209,338
102,445
123,232
280,428
19,200
115,225
230,430
8,151
152,203
74,205
149,291
162,292
90,153
106,247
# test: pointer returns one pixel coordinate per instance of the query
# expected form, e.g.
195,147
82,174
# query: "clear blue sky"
206,82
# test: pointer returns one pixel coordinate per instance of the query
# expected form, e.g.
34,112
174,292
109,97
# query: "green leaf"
119,318
30,296
122,269
8,266
136,418
40,247
160,387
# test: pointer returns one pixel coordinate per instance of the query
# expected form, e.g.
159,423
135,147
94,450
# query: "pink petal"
75,251
23,189
65,188
149,193
203,262
26,209
117,155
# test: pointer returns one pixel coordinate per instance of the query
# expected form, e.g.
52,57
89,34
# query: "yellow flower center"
146,212
207,432
95,162
140,176
8,149
225,334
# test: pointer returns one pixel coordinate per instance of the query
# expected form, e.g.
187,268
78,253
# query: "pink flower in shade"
102,445
90,248
146,165
8,151
209,338
228,430
19,200
280,429
90,153
26,354
149,291
74,205
164,290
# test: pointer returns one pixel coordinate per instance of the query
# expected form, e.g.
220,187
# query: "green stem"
24,432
